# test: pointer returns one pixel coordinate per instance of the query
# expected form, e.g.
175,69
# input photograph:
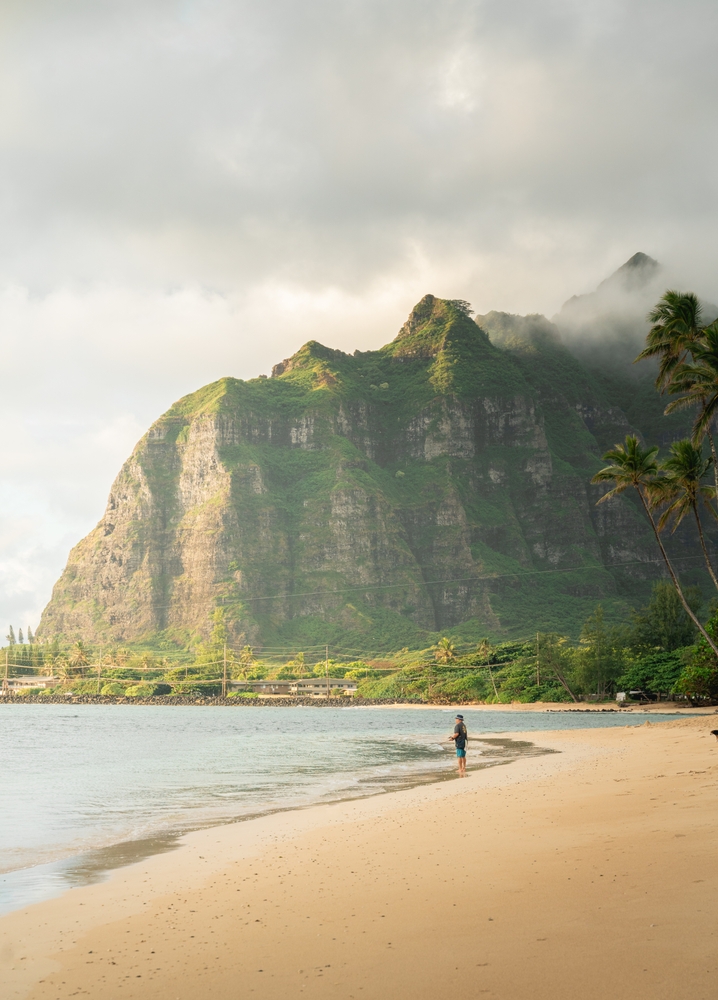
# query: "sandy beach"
589,872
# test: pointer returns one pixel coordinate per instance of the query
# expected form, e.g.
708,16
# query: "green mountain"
439,485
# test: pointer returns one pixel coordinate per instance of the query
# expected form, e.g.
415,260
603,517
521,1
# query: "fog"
193,189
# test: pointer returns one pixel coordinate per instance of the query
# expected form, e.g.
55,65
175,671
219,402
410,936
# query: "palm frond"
684,403
611,493
705,418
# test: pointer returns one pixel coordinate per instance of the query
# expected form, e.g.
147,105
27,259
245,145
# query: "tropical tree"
634,467
696,383
444,651
688,361
298,664
484,650
682,489
699,680
600,663
62,668
663,623
78,655
245,664
675,331
555,658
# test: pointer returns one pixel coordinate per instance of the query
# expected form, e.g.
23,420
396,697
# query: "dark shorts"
460,752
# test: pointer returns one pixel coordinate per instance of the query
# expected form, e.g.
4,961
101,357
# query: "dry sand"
587,873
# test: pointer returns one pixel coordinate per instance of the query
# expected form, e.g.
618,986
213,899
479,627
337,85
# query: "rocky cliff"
440,484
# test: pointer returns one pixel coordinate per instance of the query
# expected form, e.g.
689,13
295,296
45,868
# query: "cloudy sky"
193,188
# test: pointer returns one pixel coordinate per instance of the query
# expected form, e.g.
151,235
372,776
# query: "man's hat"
460,717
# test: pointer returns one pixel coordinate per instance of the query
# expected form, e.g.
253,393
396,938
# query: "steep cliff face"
438,484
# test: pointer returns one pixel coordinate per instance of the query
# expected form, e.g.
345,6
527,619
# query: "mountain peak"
637,272
425,331
422,314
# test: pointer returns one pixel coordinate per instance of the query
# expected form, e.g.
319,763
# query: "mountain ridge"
439,484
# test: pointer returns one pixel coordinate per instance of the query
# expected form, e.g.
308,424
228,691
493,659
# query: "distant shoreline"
281,701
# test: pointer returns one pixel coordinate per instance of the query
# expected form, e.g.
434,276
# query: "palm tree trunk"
715,460
562,680
493,682
674,578
703,545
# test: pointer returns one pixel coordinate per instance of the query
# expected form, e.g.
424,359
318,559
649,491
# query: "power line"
370,588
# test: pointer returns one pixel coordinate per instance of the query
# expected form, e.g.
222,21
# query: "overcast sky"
193,189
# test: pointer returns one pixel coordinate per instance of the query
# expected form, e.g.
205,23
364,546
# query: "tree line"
677,487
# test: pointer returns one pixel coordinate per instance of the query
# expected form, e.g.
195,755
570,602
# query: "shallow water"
88,788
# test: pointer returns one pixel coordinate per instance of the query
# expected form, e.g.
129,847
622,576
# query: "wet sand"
585,873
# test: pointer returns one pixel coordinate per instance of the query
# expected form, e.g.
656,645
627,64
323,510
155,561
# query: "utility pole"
326,668
5,685
99,670
224,675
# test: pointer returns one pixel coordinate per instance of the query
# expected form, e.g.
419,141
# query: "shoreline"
284,701
97,864
567,860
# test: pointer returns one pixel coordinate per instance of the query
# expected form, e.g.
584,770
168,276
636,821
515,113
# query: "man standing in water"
460,737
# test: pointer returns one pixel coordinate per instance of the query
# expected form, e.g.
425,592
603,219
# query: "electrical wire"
483,578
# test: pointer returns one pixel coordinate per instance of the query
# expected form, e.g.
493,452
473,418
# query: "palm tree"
634,467
697,381
445,650
683,490
677,338
246,662
62,668
484,650
78,655
676,329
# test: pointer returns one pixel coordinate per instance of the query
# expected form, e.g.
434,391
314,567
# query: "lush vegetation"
684,485
654,656
588,643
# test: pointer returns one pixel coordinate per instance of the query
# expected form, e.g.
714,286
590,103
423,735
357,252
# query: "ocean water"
88,788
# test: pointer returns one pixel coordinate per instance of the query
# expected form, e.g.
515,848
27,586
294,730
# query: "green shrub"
114,689
656,673
205,689
699,683
82,687
140,691
699,679
122,673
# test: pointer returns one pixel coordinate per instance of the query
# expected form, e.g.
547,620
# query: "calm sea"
88,788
